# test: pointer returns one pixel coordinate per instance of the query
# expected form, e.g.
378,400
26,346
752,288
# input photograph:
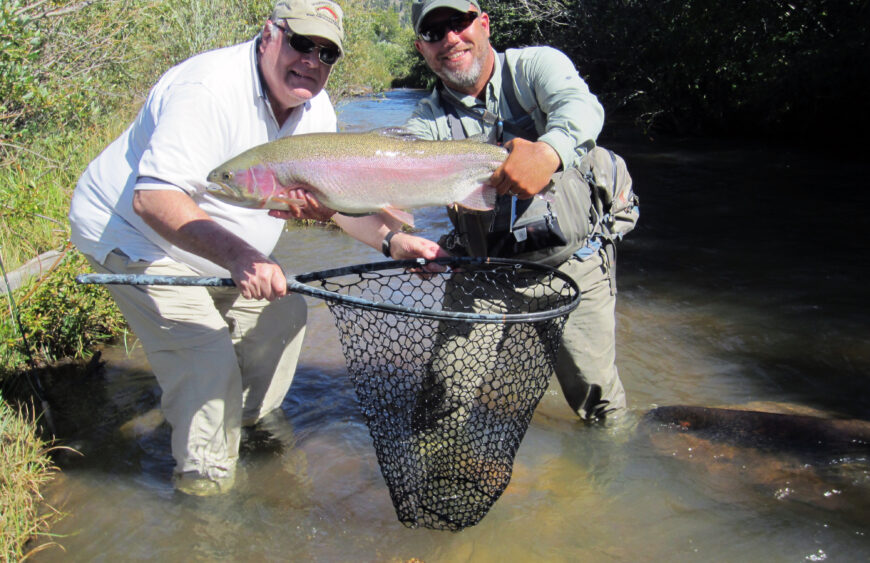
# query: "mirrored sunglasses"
457,23
327,55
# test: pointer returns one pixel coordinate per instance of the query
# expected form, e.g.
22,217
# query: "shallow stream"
745,283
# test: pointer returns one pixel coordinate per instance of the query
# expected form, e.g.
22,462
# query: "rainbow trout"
361,173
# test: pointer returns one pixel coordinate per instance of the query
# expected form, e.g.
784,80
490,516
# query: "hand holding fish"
527,169
405,246
308,207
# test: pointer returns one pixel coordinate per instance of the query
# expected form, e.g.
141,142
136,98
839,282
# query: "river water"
744,284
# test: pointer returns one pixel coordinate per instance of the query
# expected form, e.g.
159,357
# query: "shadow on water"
108,418
744,284
761,251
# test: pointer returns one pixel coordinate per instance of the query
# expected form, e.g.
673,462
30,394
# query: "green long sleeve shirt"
567,116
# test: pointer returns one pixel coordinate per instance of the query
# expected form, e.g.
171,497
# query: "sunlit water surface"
745,284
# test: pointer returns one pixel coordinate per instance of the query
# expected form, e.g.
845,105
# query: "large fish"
361,173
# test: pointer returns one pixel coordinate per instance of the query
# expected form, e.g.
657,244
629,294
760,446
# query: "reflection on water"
374,112
745,282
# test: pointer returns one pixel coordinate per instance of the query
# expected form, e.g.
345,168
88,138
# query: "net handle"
297,284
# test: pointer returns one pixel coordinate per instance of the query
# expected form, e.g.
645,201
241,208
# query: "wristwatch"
385,244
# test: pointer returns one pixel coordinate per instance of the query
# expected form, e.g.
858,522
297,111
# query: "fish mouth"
224,191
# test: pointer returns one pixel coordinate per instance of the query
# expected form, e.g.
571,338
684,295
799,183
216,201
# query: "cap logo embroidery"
331,13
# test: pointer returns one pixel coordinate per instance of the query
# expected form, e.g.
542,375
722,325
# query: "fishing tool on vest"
448,368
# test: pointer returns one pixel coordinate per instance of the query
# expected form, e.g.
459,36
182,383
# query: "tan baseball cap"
317,18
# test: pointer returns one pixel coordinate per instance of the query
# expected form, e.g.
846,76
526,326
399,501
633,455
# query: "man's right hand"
257,277
527,169
175,216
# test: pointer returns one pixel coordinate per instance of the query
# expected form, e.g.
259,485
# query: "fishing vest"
576,222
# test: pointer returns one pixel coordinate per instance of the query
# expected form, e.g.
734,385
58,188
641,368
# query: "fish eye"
226,176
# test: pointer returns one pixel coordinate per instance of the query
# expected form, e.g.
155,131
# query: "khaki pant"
586,364
466,356
221,360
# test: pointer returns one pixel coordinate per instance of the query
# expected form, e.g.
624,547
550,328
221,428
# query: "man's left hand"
527,169
311,209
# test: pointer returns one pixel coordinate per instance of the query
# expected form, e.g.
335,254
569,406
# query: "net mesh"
449,378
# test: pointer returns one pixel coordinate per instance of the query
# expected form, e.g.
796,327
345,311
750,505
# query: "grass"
24,467
36,188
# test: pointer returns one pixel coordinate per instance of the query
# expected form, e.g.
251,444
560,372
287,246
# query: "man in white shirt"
223,357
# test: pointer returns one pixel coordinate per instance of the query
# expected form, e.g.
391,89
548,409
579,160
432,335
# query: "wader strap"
610,261
456,130
521,124
472,228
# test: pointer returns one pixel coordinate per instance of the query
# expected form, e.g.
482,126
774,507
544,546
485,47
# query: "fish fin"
400,215
348,214
481,198
396,133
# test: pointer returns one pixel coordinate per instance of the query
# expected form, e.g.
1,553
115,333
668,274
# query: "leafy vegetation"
782,68
379,48
62,319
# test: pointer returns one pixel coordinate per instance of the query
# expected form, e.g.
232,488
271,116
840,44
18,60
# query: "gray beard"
462,80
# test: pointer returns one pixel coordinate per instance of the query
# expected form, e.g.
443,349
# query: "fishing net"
448,369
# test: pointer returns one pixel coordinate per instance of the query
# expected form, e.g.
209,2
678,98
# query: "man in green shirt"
560,120
534,101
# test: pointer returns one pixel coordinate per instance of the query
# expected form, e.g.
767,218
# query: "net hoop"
299,284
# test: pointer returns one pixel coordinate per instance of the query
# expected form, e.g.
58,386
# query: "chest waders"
529,228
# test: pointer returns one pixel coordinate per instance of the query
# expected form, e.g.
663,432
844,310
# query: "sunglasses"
434,32
301,43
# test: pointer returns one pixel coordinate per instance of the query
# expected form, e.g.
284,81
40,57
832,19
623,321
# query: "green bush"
376,48
745,67
59,318
20,87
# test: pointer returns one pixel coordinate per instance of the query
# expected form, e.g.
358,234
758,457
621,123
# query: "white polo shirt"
201,113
